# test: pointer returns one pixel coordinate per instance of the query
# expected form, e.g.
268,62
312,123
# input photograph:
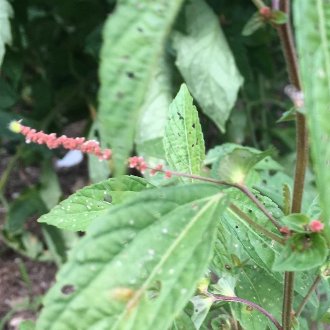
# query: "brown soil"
20,298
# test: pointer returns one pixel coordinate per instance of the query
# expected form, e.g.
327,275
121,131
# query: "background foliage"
187,84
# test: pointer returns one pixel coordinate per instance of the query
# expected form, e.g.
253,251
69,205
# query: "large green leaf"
313,37
5,34
143,259
81,208
183,140
206,63
134,37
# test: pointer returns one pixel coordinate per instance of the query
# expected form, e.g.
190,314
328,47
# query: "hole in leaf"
140,29
68,289
130,75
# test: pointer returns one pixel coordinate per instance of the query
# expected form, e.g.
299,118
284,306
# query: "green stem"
5,175
286,37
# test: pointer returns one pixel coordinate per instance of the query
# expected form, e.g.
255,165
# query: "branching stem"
244,189
251,304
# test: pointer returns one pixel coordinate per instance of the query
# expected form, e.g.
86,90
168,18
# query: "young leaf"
297,222
183,140
206,63
5,33
253,24
301,252
134,36
313,38
80,209
235,162
144,258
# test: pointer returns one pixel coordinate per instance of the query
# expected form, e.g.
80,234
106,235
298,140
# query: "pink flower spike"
316,226
52,141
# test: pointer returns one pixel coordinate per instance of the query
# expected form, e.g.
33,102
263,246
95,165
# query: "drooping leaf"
81,208
144,258
235,162
134,36
183,140
5,34
206,63
313,38
301,252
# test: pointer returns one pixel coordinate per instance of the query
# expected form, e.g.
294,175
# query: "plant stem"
308,295
244,189
248,303
255,225
286,37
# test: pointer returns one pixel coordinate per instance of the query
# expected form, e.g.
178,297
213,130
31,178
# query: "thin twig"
308,295
244,189
255,225
217,297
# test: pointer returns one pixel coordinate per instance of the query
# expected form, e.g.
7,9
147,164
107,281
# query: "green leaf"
296,222
144,258
301,252
5,34
27,325
256,285
279,17
258,247
50,190
235,162
98,171
202,305
313,38
134,36
80,209
253,24
183,140
206,63
154,111
26,205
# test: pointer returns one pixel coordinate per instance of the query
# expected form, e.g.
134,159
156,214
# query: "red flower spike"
316,226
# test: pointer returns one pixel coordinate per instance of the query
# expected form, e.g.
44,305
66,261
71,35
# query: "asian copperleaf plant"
197,229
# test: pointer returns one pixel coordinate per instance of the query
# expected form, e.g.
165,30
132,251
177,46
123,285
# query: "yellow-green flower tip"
15,126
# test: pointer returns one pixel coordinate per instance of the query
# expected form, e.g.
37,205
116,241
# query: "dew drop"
164,230
131,222
171,271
